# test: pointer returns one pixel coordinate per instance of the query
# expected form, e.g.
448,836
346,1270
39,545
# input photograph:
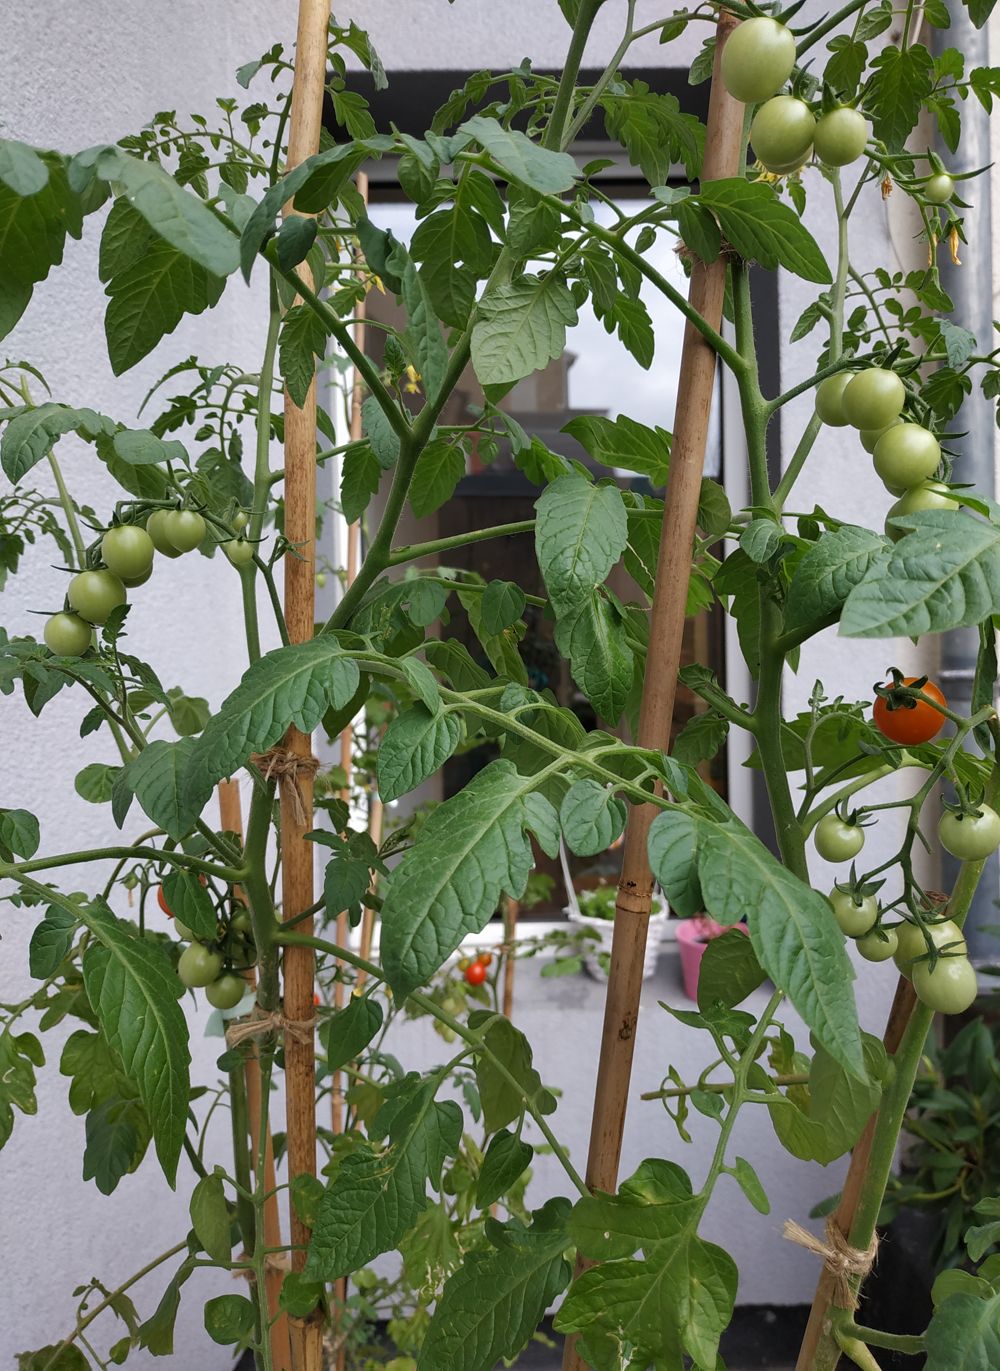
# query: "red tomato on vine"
910,723
475,973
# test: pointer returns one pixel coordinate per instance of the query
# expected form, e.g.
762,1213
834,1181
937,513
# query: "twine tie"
843,1261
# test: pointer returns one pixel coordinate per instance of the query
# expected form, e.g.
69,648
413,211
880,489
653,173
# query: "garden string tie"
288,769
841,1259
261,1022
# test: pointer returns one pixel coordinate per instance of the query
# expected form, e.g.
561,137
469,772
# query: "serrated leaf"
503,605
503,1091
492,1304
142,447
764,229
157,780
20,1053
346,1035
729,971
964,1334
653,130
360,476
524,161
290,685
415,745
377,1196
133,989
945,574
21,168
55,1357
149,298
827,573
580,533
902,78
188,900
796,940
521,327
210,1218
31,435
176,214
302,341
19,832
423,330
761,539
623,444
469,851
117,1133
825,1119
591,638
50,942
506,1159
702,738
33,232
454,248
439,469
592,818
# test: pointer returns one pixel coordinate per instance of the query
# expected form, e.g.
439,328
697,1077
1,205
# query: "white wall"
82,74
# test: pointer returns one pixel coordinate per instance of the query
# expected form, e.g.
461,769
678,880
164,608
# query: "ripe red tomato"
475,973
162,902
910,725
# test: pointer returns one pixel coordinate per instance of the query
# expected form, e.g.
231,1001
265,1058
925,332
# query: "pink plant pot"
693,936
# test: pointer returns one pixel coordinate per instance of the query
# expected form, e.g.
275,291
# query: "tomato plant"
414,659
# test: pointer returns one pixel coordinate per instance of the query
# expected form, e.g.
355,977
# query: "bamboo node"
289,769
841,1259
262,1022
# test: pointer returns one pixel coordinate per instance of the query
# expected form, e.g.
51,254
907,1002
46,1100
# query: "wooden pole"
696,384
843,1216
511,908
231,818
297,854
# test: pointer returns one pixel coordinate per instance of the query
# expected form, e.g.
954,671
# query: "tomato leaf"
521,327
729,971
503,1092
901,80
522,159
653,130
290,685
20,1053
763,228
50,942
439,469
623,444
945,574
469,851
150,297
359,480
828,572
302,341
377,1195
157,779
824,1120
964,1334
505,1161
492,1304
591,636
580,532
134,991
592,818
414,746
210,1218
31,435
346,1035
230,1318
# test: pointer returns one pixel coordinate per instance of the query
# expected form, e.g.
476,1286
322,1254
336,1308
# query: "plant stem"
228,874
258,893
411,552
555,133
245,1216
69,509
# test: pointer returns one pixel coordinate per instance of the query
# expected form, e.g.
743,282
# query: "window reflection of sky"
604,375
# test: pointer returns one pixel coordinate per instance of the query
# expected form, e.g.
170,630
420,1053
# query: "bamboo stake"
723,147
899,1016
511,909
296,854
231,818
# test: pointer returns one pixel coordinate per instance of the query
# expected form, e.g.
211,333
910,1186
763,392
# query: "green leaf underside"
580,532
134,990
791,926
521,328
945,574
828,572
291,685
157,778
414,746
377,1196
764,229
835,1109
470,850
492,1304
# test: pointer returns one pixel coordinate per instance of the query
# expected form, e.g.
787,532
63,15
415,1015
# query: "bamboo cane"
843,1216
723,147
511,909
296,854
231,818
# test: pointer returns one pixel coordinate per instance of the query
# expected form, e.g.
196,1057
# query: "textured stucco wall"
83,74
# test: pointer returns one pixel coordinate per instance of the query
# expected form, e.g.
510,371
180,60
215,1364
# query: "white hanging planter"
604,928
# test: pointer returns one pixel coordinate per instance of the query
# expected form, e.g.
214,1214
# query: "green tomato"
239,551
829,397
782,133
67,635
906,456
939,189
321,579
970,837
841,136
365,1279
757,60
855,916
240,520
130,582
945,935
156,527
241,922
878,945
226,991
928,495
94,594
949,987
836,840
128,551
199,965
870,436
874,398
184,528
183,932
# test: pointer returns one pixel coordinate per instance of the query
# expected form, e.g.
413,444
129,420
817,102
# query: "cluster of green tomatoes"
214,967
906,455
757,61
932,951
125,560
